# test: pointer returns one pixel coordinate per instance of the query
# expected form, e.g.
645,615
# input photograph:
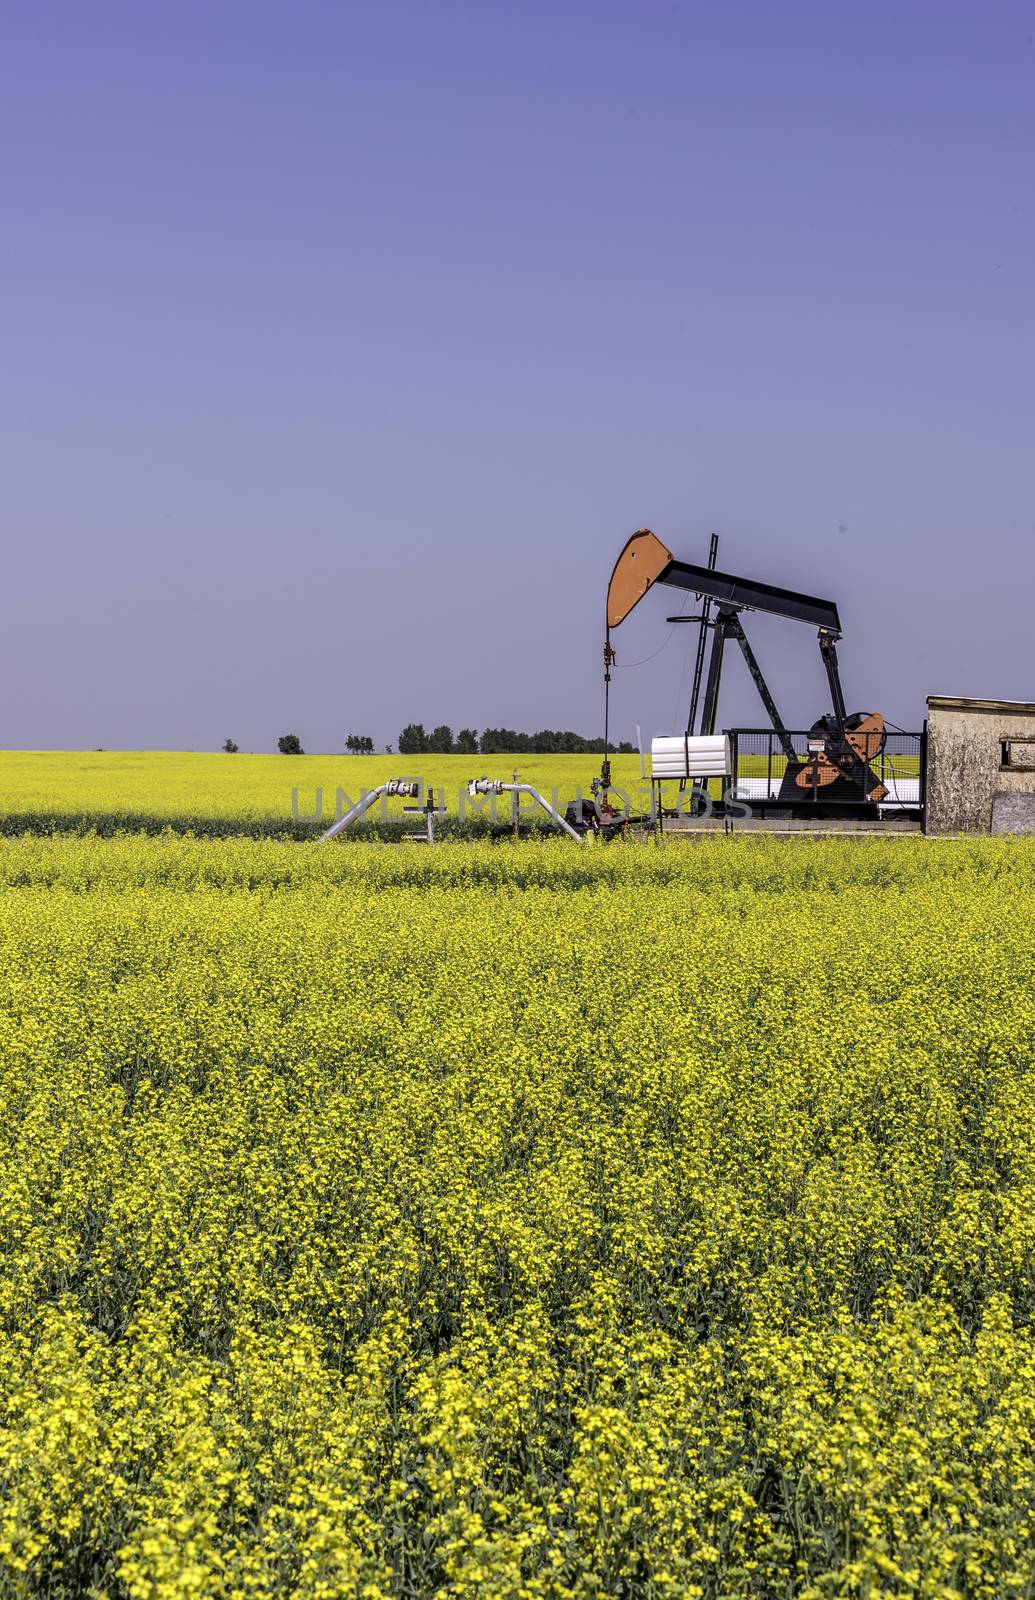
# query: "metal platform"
889,827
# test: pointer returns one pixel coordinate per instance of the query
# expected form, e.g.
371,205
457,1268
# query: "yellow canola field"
147,787
517,1221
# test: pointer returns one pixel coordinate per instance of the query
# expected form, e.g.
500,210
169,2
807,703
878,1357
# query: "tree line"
289,744
414,741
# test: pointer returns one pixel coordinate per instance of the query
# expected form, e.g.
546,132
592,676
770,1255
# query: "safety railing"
776,769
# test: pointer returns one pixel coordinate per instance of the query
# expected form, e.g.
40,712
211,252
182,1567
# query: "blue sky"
345,345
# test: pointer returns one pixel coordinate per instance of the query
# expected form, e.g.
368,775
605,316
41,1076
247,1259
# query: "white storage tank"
686,755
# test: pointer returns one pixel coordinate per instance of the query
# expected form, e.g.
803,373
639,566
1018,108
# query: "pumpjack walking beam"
645,561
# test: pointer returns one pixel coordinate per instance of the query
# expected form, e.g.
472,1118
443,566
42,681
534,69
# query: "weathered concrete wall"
1013,813
965,769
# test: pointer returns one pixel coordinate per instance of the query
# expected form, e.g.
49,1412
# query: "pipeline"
497,786
394,786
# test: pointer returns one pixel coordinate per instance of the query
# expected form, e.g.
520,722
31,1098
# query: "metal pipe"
365,801
497,786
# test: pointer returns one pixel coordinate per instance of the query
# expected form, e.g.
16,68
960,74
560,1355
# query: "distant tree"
503,741
230,747
359,744
413,741
441,740
626,749
388,749
466,742
289,744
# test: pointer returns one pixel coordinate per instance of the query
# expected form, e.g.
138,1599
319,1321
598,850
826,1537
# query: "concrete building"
980,765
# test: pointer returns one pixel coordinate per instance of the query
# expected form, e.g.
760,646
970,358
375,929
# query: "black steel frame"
702,638
731,596
726,625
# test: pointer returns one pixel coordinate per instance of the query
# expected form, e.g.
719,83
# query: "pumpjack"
840,746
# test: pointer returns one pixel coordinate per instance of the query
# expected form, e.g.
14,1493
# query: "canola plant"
517,1221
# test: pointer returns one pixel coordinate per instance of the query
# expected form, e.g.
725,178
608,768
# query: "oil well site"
969,769
517,1026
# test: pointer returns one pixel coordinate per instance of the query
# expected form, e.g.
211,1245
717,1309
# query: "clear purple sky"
343,346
